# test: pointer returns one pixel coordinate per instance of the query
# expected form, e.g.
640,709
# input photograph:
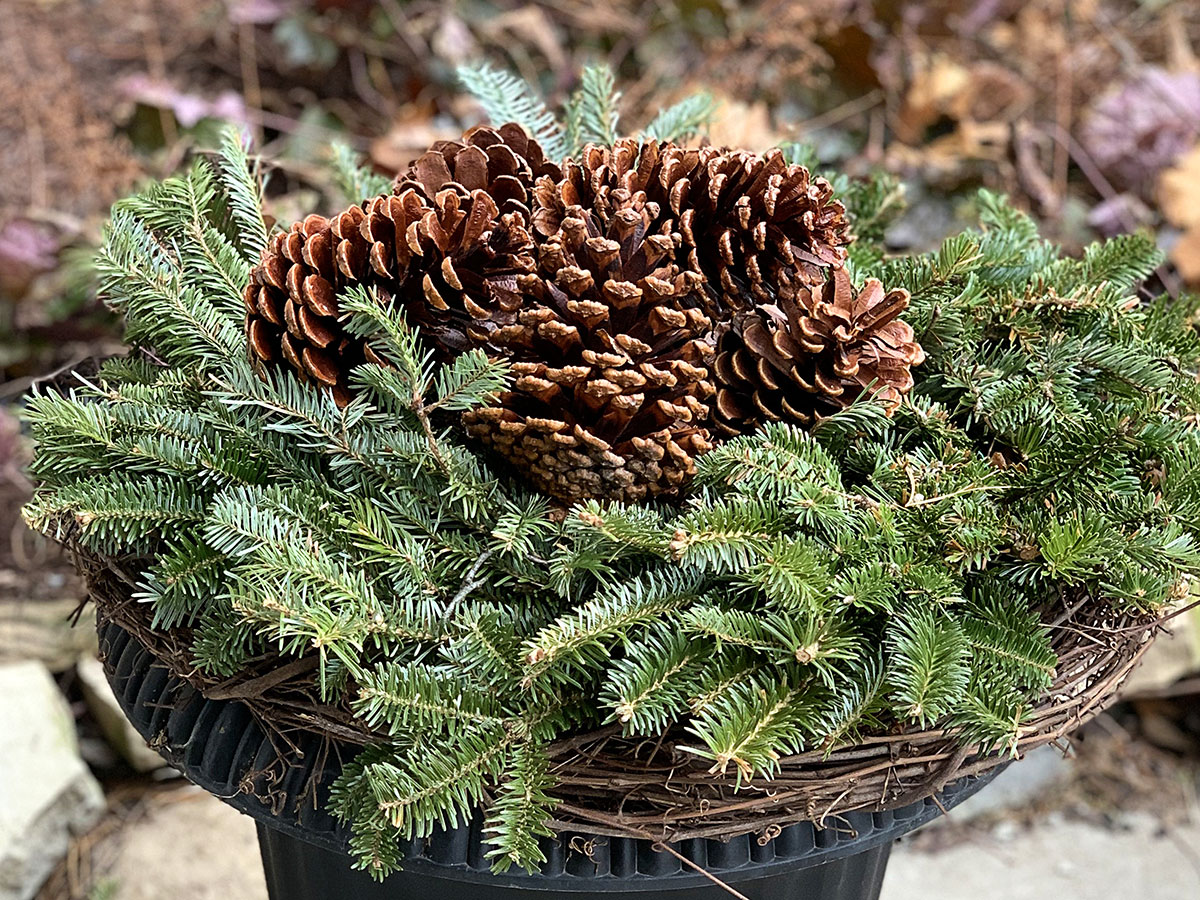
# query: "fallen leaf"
1186,255
530,26
1143,125
1179,190
188,108
1119,214
259,12
411,134
743,125
27,249
453,40
936,80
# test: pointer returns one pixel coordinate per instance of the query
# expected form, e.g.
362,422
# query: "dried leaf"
1186,255
1179,190
936,81
743,125
410,135
1143,125
453,41
188,108
27,249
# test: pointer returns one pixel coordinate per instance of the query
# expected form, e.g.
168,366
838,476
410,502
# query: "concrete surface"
47,793
1021,784
1057,861
195,848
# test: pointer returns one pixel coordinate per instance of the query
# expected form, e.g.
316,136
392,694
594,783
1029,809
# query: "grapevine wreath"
627,493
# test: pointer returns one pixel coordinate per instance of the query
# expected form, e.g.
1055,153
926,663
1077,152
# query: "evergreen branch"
116,517
356,181
592,111
506,98
683,120
584,635
927,665
650,687
755,725
521,812
415,698
243,184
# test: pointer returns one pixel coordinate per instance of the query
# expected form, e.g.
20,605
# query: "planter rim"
1097,647
220,746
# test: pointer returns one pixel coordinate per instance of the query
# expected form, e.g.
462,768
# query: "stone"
47,793
1175,654
121,735
36,616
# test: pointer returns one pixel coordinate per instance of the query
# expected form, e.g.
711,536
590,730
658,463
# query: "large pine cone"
611,350
504,162
432,255
745,221
814,351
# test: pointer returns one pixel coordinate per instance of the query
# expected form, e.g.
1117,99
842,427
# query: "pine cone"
611,350
750,220
814,351
430,254
504,162
745,221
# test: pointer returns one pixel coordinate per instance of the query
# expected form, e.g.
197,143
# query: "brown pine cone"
431,255
745,221
611,351
814,351
750,221
505,162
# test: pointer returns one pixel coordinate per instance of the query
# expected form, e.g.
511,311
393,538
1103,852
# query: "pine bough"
812,587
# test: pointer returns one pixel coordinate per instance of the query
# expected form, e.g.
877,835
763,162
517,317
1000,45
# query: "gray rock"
36,615
121,735
47,793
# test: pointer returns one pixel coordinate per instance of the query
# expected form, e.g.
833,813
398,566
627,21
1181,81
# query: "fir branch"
683,120
506,98
592,111
649,687
356,181
521,812
413,698
583,636
243,182
927,665
755,724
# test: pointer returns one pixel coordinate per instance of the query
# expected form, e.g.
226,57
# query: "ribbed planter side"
283,781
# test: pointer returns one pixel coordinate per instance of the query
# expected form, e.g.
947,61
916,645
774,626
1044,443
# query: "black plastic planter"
222,748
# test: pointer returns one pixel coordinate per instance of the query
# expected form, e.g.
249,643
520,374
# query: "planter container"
220,746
